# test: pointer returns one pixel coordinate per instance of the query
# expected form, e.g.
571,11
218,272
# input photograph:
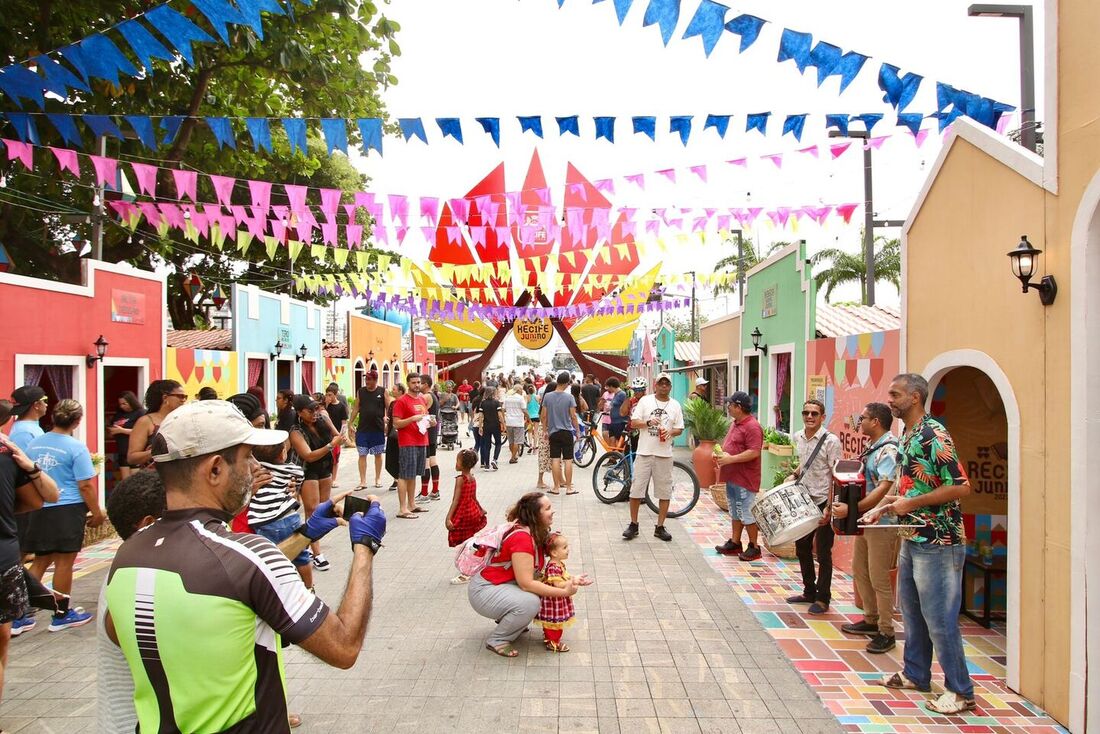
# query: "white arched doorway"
1084,433
934,372
386,375
359,375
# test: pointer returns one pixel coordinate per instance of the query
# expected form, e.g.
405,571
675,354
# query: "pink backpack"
477,552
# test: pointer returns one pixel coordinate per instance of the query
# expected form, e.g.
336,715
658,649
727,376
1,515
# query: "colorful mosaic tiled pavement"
92,558
836,666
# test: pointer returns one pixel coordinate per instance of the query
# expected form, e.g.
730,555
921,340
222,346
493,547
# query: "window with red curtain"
307,377
255,372
781,405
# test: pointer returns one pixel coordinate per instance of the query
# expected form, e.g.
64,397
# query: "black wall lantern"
100,345
1024,264
278,350
302,352
756,335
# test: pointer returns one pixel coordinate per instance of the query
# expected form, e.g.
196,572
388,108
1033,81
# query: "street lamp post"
868,209
692,273
1023,13
740,265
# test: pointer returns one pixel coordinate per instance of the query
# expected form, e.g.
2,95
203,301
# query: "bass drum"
785,513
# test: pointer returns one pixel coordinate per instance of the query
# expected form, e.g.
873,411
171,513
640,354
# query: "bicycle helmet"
638,383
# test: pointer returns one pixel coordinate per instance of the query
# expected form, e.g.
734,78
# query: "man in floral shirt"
931,481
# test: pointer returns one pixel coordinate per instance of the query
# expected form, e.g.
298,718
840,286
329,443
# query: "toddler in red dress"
466,516
557,612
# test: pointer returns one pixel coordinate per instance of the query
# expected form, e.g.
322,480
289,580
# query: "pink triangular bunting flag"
701,172
186,183
146,176
67,161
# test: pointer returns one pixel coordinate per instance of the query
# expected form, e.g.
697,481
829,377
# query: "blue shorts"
279,530
370,444
740,500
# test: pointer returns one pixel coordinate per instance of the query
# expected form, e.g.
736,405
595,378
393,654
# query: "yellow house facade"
963,308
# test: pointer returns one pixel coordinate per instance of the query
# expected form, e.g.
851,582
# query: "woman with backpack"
506,588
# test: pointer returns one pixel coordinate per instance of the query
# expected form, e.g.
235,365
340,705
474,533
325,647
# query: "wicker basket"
718,494
95,535
786,550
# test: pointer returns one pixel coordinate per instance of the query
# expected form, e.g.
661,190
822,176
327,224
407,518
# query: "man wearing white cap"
702,390
200,612
659,419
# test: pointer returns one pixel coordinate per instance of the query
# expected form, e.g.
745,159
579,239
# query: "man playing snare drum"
818,450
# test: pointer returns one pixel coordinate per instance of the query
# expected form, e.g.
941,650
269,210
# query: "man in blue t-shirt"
559,421
617,426
28,407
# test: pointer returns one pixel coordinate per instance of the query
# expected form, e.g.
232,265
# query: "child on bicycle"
557,613
466,516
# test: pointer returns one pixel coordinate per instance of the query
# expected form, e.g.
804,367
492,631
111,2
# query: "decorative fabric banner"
646,126
336,134
260,130
707,23
412,127
530,124
664,13
450,126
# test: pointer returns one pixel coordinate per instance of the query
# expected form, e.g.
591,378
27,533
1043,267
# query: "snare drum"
786,513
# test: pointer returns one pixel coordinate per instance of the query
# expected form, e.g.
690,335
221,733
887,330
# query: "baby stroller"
448,429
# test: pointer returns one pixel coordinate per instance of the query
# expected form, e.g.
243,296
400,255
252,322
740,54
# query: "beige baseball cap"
206,426
663,376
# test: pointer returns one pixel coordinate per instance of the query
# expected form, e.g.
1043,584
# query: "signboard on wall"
816,386
284,336
127,307
533,333
771,302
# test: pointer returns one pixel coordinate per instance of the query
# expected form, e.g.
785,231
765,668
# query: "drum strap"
813,455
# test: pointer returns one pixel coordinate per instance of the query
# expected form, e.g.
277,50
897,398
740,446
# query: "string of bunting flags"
372,131
709,23
99,57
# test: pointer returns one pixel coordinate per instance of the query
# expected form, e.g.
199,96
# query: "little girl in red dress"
466,516
557,611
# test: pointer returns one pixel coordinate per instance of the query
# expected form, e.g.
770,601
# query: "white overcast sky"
504,58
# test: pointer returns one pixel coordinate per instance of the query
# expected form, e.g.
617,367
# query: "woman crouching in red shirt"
508,590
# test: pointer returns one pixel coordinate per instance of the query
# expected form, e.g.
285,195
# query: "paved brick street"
662,642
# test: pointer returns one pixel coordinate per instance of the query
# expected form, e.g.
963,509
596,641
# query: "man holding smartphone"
200,612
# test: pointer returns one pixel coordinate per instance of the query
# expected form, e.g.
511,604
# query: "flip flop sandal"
406,516
556,646
505,651
377,485
900,682
361,487
950,704
419,509
553,491
575,491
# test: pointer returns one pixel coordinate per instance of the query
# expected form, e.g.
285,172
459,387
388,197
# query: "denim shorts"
279,530
740,501
370,444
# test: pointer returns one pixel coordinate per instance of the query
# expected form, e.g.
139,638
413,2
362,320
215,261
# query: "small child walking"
557,612
466,516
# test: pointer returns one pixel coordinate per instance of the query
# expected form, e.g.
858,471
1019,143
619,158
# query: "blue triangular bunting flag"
171,127
102,126
720,123
102,59
19,82
605,128
143,128
450,127
66,128
758,121
412,126
220,13
491,125
144,44
708,23
869,120
531,123
223,131
825,56
335,130
748,27
899,90
794,124
848,68
177,30
665,13
570,124
839,121
59,79
295,129
911,120
645,125
622,7
371,130
680,124
24,126
250,13
795,46
75,58
260,130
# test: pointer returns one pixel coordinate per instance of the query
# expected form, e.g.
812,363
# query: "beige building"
720,348
1037,367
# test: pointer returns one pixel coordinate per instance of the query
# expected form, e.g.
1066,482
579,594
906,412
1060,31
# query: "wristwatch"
369,542
35,471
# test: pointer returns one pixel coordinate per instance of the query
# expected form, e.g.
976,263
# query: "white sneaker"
422,499
320,562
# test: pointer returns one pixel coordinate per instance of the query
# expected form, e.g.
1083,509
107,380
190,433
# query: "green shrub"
704,421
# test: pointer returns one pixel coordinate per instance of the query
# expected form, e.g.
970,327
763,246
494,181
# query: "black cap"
24,398
305,402
741,398
564,378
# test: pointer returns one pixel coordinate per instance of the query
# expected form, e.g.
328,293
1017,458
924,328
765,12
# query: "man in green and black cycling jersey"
200,612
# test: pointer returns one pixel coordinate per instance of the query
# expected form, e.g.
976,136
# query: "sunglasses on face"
44,400
810,414
180,395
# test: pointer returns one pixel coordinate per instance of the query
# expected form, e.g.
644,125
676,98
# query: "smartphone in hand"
353,504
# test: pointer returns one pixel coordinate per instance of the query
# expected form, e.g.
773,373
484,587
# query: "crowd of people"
223,517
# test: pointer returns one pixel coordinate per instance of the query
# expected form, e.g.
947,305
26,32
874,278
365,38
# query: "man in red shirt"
739,467
411,419
463,391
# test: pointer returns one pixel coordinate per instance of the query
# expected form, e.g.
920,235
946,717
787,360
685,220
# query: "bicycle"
612,475
584,446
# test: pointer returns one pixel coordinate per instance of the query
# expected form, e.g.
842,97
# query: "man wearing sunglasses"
818,450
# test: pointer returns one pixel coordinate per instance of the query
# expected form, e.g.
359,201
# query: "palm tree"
847,267
750,258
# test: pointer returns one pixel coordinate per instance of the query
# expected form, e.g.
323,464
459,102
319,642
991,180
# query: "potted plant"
709,426
778,443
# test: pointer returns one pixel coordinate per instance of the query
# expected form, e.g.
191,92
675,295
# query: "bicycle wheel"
610,478
685,491
584,451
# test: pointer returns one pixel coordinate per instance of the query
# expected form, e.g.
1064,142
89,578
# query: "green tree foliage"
331,59
848,267
681,326
749,255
